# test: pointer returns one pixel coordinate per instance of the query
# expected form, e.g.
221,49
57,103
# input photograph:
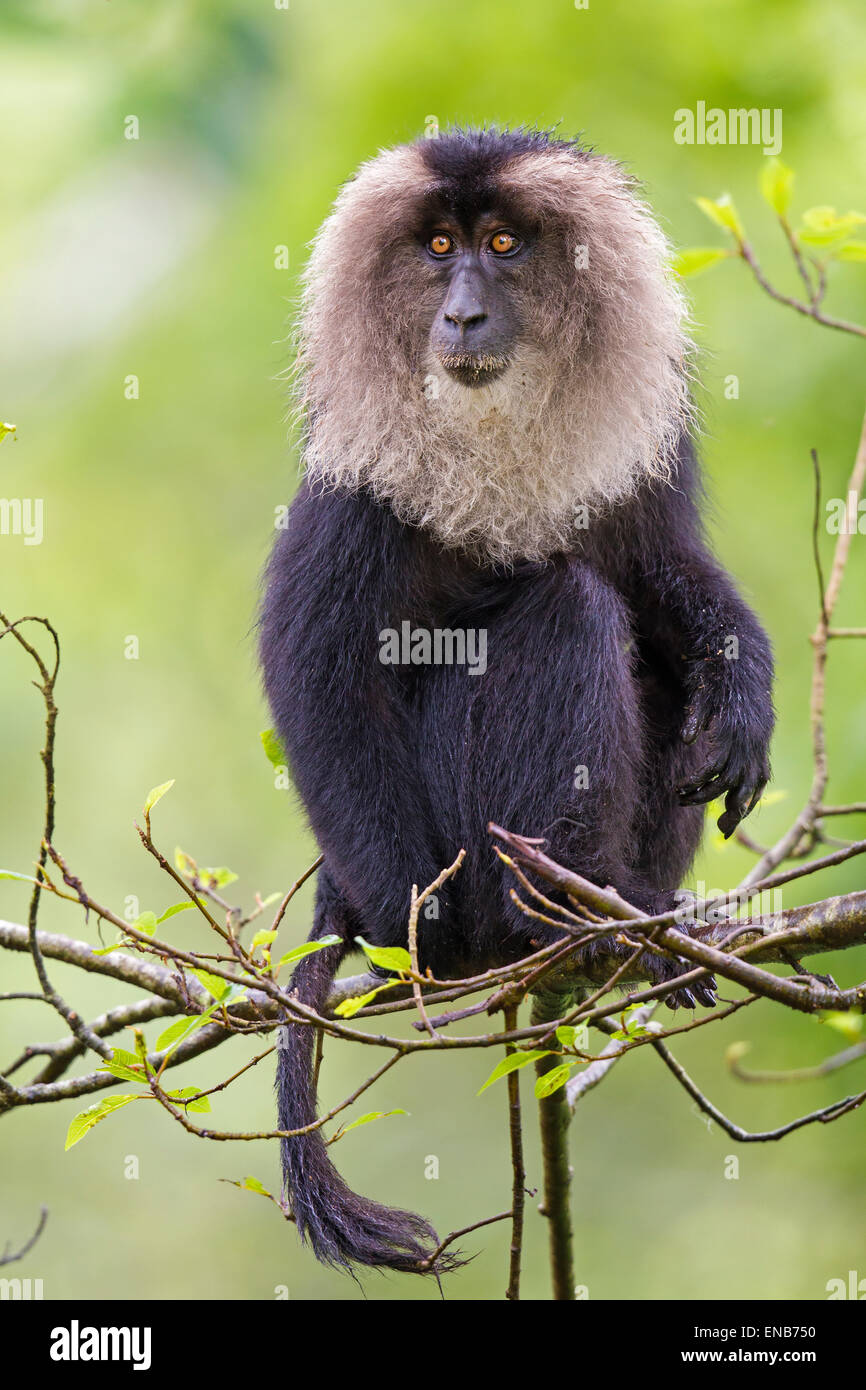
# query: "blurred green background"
156,258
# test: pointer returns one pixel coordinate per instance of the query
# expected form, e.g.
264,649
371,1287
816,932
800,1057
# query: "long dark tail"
342,1228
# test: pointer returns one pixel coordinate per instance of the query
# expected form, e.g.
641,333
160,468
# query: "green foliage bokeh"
158,517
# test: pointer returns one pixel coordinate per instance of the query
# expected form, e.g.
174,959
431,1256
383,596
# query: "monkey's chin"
473,369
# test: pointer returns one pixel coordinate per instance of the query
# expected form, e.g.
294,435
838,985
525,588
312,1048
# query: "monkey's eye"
504,243
441,244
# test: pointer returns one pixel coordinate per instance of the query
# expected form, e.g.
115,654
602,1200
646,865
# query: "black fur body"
599,658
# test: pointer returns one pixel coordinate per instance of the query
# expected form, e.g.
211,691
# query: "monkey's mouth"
473,368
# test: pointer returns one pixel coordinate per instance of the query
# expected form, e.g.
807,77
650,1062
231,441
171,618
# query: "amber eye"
441,244
503,243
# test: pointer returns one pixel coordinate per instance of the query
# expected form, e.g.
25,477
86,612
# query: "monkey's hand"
736,727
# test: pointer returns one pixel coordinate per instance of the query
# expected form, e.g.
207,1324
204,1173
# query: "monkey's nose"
467,318
464,309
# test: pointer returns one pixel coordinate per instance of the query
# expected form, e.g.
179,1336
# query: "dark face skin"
476,327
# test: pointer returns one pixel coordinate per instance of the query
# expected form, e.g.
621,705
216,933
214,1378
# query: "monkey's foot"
661,969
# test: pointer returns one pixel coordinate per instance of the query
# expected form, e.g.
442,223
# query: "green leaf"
174,910
6,428
777,185
124,1058
350,1007
84,1122
201,1105
251,1185
771,798
371,1115
21,878
123,1071
697,258
822,226
850,1025
386,957
107,950
552,1080
146,922
262,938
566,1035
181,1028
273,746
218,878
214,984
723,213
155,794
851,251
307,949
513,1062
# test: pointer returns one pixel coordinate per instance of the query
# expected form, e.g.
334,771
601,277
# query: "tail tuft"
342,1228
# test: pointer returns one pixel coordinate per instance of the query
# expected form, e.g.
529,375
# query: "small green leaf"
697,258
552,1080
772,797
851,251
218,878
307,949
173,910
214,985
123,1071
386,957
822,226
723,213
84,1122
850,1025
252,1185
6,428
777,185
107,950
181,1028
201,1105
273,746
371,1115
124,1058
156,794
21,878
262,938
146,922
513,1062
565,1034
350,1007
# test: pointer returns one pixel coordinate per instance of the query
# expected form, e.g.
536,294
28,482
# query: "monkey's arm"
334,579
715,642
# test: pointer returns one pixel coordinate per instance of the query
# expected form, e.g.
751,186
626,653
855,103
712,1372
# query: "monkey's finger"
700,794
705,992
681,999
696,720
757,794
736,807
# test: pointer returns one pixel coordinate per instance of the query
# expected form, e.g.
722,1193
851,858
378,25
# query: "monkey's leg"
666,833
555,745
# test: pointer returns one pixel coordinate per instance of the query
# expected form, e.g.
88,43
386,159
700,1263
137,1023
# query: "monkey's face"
490,340
478,265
